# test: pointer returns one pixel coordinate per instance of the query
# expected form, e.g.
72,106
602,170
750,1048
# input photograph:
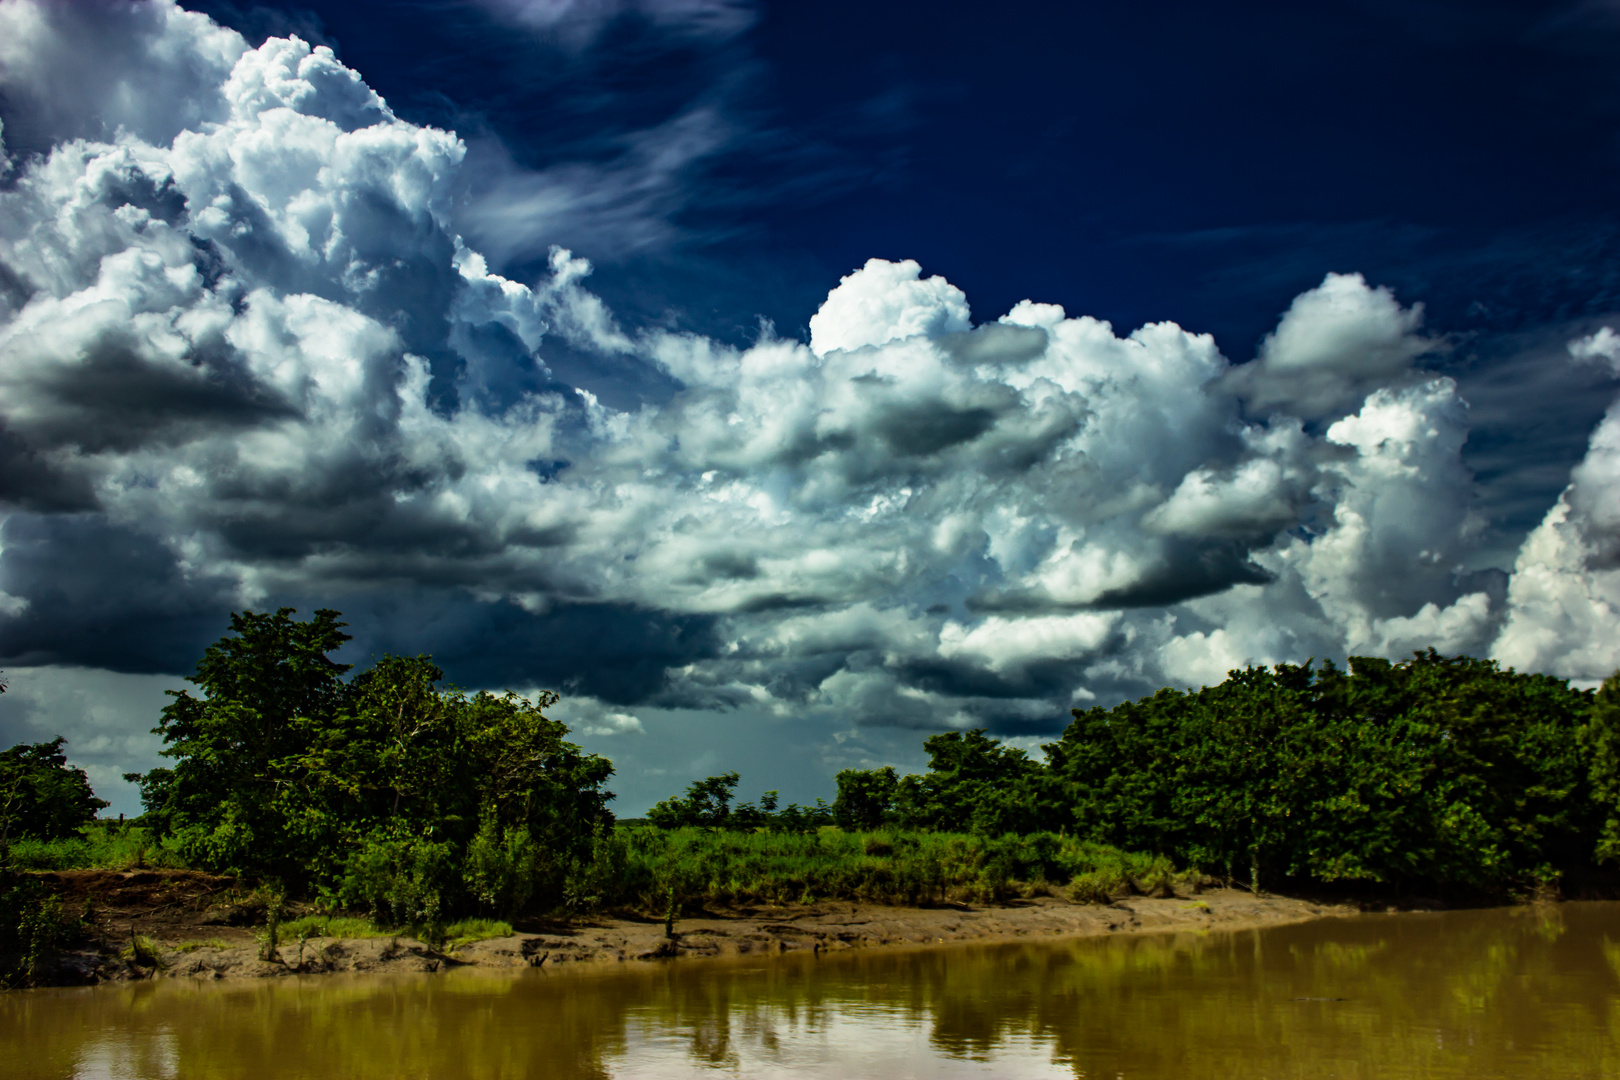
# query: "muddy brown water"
1521,992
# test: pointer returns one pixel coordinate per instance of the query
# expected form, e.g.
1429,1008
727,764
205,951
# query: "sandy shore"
178,912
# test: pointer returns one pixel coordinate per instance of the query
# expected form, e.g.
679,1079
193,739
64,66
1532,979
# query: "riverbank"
181,924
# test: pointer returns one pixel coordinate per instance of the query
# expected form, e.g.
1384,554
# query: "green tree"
262,686
1437,770
387,789
1601,737
707,805
41,796
973,782
865,797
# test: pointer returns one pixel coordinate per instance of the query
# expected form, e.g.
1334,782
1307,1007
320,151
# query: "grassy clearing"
646,867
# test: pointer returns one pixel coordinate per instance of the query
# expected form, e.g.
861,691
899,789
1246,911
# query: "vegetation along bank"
304,802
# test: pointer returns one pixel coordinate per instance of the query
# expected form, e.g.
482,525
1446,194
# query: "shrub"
500,867
33,926
400,878
1095,887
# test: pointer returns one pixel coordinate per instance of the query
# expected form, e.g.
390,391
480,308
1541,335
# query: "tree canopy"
1435,771
41,796
384,789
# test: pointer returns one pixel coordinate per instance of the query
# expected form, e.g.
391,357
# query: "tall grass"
104,845
641,866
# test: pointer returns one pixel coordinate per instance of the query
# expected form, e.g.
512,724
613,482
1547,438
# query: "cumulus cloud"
1334,344
884,302
1601,347
94,69
1564,596
258,359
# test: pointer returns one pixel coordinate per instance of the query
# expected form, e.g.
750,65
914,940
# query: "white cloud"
1601,347
1564,597
883,302
1400,525
1334,344
93,69
617,207
1001,643
587,716
1204,659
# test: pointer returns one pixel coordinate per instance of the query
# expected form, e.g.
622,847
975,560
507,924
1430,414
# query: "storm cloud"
249,357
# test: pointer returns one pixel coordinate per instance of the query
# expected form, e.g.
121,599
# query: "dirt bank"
199,926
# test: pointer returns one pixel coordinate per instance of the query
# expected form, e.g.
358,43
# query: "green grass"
468,931
333,926
141,951
640,866
101,845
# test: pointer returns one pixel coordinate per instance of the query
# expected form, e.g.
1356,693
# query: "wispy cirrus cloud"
578,22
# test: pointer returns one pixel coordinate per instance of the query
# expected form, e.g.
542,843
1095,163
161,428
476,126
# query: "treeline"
1437,772
386,792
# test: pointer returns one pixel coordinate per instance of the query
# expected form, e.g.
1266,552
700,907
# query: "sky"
783,383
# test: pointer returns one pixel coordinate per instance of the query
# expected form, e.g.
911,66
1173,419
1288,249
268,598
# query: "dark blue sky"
1202,163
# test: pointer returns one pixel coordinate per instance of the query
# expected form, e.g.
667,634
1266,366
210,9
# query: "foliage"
1436,772
865,798
333,926
972,779
1602,741
33,927
466,931
40,796
142,951
708,866
707,805
387,793
100,844
384,790
1444,771
501,867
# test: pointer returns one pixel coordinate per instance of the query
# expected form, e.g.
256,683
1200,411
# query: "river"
1520,992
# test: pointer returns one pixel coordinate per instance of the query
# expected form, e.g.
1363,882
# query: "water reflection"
1520,992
